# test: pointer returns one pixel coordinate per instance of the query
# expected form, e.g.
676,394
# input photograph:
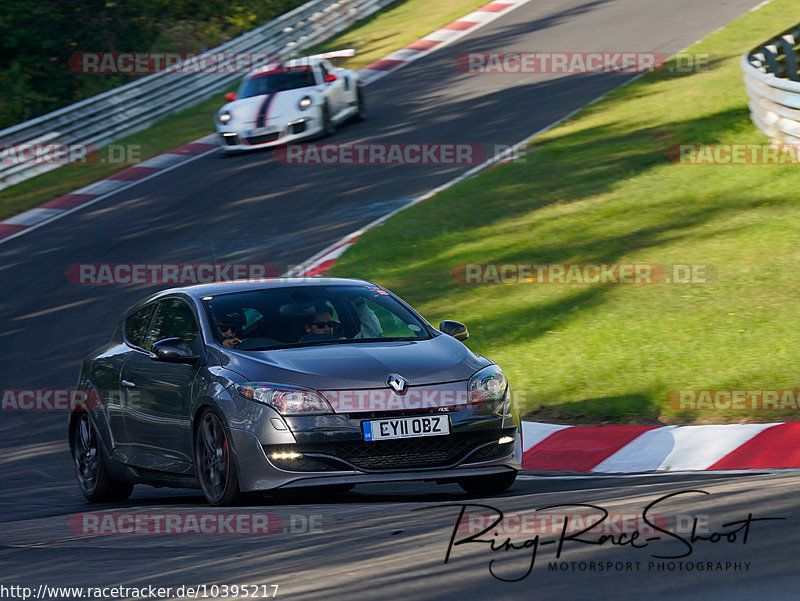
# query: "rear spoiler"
347,53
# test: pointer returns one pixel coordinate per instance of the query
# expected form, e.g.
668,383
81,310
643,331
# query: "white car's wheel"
328,126
362,106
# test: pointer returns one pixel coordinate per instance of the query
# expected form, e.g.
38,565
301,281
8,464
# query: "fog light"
287,455
505,440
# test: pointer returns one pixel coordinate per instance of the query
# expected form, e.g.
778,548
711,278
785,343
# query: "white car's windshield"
279,81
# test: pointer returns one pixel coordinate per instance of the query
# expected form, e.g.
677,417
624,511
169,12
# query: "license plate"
406,427
260,131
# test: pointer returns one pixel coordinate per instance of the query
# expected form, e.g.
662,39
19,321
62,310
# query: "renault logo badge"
398,383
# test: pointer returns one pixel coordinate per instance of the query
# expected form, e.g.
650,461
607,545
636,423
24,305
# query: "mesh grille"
422,452
264,138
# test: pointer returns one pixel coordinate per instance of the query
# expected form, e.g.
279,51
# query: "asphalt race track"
366,544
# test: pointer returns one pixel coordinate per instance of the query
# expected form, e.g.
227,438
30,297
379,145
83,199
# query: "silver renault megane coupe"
241,387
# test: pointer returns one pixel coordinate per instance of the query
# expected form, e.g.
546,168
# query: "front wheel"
488,485
214,463
96,482
328,126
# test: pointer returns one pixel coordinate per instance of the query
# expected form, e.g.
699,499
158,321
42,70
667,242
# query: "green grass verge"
599,188
384,32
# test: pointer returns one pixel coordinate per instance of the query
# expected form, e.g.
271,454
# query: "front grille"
271,137
297,128
406,453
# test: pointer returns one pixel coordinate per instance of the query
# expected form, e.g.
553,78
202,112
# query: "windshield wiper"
329,341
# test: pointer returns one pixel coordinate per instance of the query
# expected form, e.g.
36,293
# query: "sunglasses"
226,327
324,324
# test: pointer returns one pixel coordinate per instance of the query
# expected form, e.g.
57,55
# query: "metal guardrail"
772,81
101,119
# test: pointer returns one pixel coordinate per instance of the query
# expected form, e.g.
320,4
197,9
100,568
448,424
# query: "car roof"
214,288
292,65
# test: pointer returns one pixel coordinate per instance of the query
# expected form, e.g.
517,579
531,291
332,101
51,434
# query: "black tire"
361,115
488,485
328,126
214,463
95,481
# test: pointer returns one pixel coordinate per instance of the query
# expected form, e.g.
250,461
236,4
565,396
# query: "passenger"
321,324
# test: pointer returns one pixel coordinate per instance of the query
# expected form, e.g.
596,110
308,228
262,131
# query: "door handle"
128,384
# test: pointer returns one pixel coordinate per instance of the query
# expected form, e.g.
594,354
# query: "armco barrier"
133,107
773,84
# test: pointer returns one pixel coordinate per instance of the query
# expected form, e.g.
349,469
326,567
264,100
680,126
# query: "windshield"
276,318
276,82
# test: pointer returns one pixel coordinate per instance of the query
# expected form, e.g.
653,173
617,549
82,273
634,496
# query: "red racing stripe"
580,448
133,173
69,201
423,44
7,229
192,148
384,65
494,7
773,447
460,25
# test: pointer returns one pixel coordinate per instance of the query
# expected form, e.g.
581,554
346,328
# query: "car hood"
360,365
246,110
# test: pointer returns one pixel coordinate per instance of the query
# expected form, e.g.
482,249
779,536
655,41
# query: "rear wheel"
362,106
96,482
214,463
488,485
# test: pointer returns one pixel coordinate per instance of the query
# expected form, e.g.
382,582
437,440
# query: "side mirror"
455,329
172,350
330,77
230,96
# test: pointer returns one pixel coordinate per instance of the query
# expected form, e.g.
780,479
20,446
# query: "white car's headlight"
224,116
304,103
287,400
489,384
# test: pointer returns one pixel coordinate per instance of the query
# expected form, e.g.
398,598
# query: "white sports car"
290,101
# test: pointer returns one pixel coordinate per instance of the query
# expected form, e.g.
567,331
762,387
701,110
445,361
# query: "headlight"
287,400
224,116
489,384
304,103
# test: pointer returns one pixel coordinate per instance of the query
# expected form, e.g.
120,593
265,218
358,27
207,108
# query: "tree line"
38,38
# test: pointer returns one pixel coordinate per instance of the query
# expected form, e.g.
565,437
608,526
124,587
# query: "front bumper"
334,452
295,130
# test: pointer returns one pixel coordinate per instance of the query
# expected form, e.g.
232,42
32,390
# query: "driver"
230,328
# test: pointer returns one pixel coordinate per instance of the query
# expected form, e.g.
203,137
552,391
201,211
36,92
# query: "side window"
174,319
136,326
